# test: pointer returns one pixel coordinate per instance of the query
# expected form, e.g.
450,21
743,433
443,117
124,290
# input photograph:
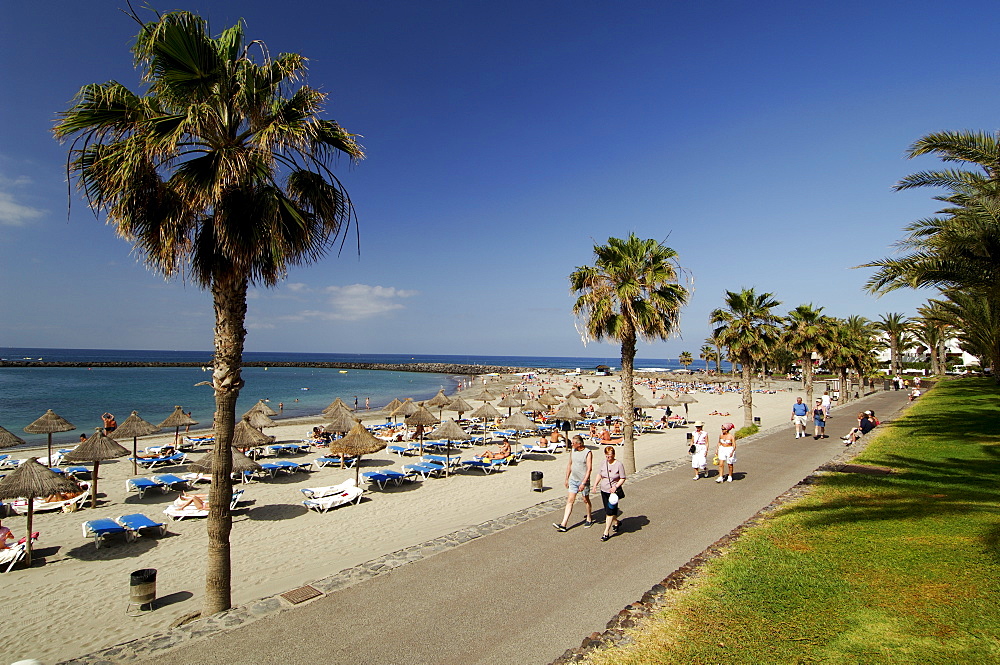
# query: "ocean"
81,395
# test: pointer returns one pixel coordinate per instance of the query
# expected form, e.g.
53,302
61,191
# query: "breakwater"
430,368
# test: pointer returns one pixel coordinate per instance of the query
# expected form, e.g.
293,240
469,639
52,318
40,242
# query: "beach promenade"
527,593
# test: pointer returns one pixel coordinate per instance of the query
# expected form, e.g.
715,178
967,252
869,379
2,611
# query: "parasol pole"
27,542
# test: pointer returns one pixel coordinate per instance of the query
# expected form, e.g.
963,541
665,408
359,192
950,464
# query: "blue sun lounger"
102,528
383,477
143,485
175,482
137,522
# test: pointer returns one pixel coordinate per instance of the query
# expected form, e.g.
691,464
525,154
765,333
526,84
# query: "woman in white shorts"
727,453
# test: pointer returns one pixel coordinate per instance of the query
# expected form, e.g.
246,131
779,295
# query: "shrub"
747,431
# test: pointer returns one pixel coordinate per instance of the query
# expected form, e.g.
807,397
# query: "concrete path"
528,593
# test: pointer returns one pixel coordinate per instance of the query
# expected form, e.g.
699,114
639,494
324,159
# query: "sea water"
81,395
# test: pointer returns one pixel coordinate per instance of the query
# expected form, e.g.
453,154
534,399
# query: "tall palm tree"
719,356
630,292
977,320
807,332
686,359
749,329
897,330
708,355
931,327
218,171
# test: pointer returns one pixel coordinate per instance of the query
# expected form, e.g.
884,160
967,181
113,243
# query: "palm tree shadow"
275,511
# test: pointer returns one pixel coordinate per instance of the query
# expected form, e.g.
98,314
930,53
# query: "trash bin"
887,385
756,421
142,588
536,481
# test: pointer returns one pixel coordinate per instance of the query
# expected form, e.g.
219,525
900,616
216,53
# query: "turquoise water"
81,395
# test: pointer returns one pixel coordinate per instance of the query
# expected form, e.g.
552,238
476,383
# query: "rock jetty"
431,368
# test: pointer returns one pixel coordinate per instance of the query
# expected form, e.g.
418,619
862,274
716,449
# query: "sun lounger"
407,449
486,466
8,462
175,482
348,492
177,513
102,528
153,462
550,449
424,470
137,522
143,485
452,462
320,492
383,477
14,554
20,506
349,462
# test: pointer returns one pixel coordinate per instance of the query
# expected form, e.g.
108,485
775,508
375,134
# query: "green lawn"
866,569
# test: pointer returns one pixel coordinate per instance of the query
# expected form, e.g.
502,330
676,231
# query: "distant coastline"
431,368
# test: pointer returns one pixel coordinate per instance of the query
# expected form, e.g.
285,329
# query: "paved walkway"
527,593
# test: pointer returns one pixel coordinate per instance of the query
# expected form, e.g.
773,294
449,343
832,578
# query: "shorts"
800,420
727,454
608,508
579,487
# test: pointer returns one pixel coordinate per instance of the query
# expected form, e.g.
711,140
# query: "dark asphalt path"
526,594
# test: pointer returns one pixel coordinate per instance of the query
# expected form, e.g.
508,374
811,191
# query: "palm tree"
807,332
631,292
931,327
896,327
749,330
219,171
708,355
719,357
977,320
685,359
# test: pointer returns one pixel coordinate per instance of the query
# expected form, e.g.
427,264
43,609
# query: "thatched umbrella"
641,402
336,404
421,418
449,431
245,436
667,400
484,395
518,421
261,407
686,399
487,412
460,405
577,394
357,442
259,420
509,402
574,402
341,422
566,412
597,393
534,406
49,422
8,439
241,463
29,480
178,419
134,427
438,402
95,449
608,409
548,399
405,409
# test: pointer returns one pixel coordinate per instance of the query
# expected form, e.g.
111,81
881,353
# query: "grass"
902,568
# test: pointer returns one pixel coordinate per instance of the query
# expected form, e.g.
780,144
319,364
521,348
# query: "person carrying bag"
610,478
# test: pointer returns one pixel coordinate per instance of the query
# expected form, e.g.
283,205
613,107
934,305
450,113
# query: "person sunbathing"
606,438
502,453
165,451
199,501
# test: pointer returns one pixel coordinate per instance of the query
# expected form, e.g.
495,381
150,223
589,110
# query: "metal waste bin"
887,385
142,588
536,481
756,421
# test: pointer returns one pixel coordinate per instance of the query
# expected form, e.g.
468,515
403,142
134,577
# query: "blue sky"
759,140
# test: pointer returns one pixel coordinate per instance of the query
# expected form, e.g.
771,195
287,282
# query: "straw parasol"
608,409
421,418
49,422
460,405
178,419
438,402
95,449
509,402
597,393
7,439
259,420
341,422
686,399
245,436
641,402
518,421
484,395
577,394
548,399
486,412
261,407
450,431
357,442
241,463
574,402
566,412
336,404
29,480
405,409
555,392
667,400
134,427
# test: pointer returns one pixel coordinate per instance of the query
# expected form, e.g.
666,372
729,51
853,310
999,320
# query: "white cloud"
13,213
356,302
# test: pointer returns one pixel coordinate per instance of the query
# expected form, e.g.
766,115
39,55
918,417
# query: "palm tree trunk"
845,387
747,391
230,299
628,402
807,377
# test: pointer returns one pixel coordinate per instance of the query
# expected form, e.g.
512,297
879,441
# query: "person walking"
726,453
799,412
699,454
819,421
578,470
827,403
610,478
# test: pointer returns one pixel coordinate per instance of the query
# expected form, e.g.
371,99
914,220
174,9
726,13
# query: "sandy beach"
73,600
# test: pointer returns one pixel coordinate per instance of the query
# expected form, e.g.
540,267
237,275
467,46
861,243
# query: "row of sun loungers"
20,506
131,526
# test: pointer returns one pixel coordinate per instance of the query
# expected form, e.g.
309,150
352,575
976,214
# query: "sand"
73,600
